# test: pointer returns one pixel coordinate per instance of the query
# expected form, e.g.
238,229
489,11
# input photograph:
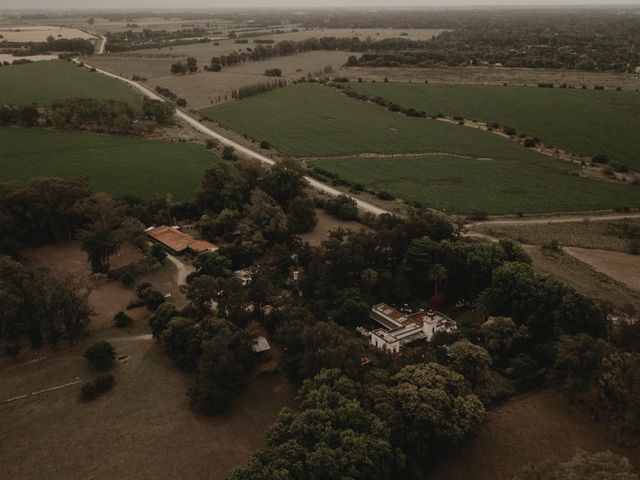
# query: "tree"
192,64
122,320
620,384
577,360
369,279
161,112
436,406
342,206
179,68
302,216
471,361
265,216
161,318
503,338
583,466
331,437
107,228
181,341
223,368
437,275
100,355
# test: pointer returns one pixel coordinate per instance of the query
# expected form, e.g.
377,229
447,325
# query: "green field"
113,164
44,82
312,120
458,185
486,171
584,122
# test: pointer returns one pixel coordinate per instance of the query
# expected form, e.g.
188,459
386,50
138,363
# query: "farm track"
362,205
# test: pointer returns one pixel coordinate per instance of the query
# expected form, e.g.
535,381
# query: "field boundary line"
30,362
39,392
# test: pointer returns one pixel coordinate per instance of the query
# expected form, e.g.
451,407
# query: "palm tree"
369,278
481,304
437,275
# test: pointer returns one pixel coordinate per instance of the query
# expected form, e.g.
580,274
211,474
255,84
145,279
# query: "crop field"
459,185
443,165
316,121
585,122
113,164
44,82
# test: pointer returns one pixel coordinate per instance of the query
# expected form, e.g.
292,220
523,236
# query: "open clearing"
604,235
328,223
585,122
623,267
529,428
44,82
114,164
143,428
39,33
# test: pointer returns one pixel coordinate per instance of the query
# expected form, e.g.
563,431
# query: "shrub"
228,153
100,355
600,158
102,383
476,215
382,195
529,143
152,298
122,320
265,145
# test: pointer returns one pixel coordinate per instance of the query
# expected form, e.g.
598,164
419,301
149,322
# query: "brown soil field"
204,89
202,51
623,267
495,76
529,428
143,428
38,33
327,223
583,278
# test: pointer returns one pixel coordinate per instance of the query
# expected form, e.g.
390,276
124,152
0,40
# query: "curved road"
362,205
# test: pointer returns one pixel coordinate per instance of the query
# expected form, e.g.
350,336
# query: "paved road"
362,205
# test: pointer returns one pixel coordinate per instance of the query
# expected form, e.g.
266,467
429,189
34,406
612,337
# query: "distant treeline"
79,45
147,38
103,116
251,90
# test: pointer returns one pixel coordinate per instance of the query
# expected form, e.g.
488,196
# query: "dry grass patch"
622,267
529,428
328,223
604,235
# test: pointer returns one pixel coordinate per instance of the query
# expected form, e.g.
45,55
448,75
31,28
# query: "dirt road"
183,270
362,205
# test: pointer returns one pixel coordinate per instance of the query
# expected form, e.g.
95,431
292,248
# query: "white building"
400,329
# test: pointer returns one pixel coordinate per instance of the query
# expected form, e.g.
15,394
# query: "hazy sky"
181,4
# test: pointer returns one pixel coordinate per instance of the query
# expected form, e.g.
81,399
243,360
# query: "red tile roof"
179,241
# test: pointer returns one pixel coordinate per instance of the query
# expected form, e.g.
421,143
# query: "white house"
400,329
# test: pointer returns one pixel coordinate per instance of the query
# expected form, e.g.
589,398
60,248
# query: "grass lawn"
313,120
582,121
458,185
115,165
43,82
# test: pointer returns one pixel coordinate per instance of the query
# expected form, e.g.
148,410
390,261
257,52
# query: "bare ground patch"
529,428
623,267
583,278
326,224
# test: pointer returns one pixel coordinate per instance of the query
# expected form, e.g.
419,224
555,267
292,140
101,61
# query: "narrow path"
362,205
183,269
568,218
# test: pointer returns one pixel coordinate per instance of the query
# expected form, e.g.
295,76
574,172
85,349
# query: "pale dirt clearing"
328,223
5,57
623,267
529,428
143,428
584,278
39,33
